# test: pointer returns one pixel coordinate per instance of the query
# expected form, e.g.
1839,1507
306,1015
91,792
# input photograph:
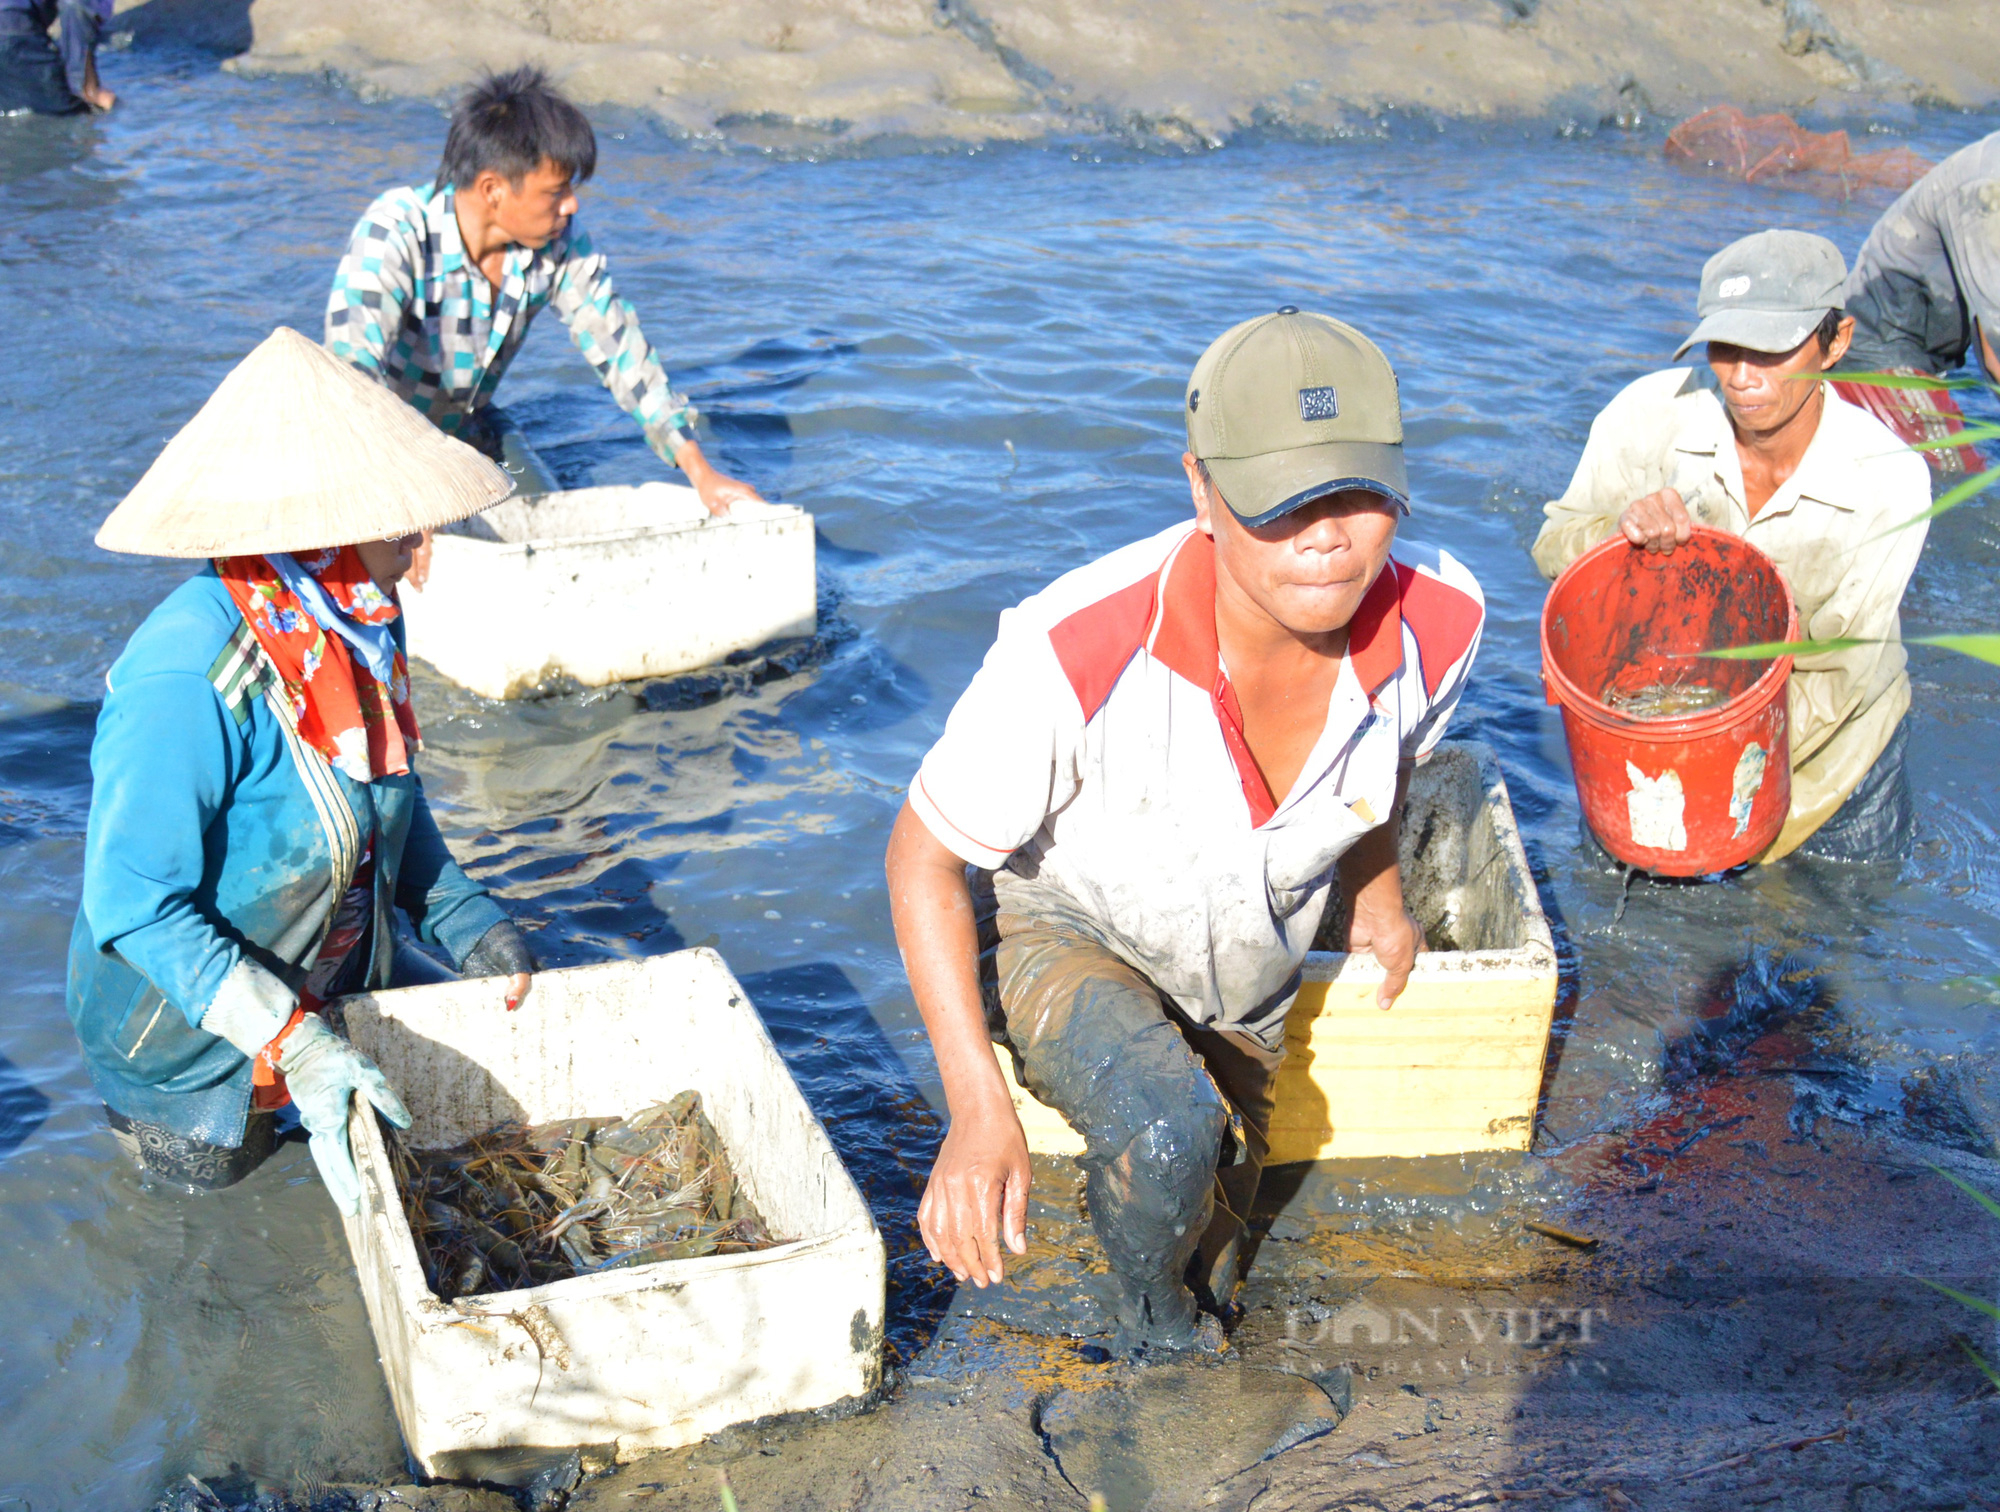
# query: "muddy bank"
1748,1331
1174,70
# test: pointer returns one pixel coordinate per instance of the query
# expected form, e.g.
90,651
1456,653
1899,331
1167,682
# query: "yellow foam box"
1456,1064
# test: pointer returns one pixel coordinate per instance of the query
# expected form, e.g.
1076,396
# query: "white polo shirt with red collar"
1097,766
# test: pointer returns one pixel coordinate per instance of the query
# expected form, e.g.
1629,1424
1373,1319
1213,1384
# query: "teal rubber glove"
323,1072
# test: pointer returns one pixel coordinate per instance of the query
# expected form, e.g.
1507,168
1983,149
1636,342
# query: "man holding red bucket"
1750,443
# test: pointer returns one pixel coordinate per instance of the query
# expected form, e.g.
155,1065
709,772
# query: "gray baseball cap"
1769,291
1291,407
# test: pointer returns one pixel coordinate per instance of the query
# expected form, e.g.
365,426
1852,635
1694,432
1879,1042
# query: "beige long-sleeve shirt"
1825,530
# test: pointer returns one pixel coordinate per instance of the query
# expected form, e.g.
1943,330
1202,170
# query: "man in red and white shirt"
1167,760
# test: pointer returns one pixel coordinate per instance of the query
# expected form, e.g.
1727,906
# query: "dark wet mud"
1744,1331
969,367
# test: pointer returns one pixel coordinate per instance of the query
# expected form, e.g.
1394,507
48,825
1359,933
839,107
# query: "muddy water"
968,367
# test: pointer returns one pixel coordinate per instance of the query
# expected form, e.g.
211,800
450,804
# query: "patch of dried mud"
1190,72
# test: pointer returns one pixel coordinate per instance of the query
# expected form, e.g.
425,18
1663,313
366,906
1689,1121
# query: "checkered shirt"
409,307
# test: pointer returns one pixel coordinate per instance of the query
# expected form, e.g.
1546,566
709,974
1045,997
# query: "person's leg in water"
80,29
31,73
497,435
1096,1042
1878,820
1247,1073
194,1165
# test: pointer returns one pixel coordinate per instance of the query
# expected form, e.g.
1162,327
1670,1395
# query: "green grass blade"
1984,648
1897,380
1970,488
1977,1304
728,1492
1981,647
1980,1360
1972,435
1977,484
1765,650
1970,1190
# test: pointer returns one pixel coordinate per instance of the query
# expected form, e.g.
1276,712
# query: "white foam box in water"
1456,1064
602,585
646,1358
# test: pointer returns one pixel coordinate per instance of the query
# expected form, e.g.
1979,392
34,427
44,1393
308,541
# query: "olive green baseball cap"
1291,407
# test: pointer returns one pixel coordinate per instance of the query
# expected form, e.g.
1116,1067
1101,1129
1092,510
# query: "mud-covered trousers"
1878,820
1175,1117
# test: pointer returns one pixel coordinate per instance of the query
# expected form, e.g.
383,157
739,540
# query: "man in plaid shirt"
439,283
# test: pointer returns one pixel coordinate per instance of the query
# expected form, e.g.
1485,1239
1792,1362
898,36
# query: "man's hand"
718,491
1658,523
1396,938
1371,875
977,1196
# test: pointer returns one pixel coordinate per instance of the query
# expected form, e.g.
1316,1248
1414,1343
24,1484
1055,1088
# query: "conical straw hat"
296,450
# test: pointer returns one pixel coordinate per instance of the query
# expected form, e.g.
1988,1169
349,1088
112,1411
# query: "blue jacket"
214,832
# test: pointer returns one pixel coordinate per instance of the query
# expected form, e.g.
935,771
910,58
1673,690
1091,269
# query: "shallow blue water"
968,366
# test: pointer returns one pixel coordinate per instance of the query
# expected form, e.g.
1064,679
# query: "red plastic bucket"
1693,793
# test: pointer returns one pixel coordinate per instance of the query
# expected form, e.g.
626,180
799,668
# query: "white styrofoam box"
601,585
646,1358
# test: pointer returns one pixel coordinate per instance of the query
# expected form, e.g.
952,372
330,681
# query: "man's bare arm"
1372,878
978,1189
717,490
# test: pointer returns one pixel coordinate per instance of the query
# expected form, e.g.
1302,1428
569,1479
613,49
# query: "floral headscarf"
325,625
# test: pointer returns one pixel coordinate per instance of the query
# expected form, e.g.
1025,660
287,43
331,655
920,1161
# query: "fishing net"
1775,149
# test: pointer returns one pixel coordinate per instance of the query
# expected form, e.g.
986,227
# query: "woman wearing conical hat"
255,819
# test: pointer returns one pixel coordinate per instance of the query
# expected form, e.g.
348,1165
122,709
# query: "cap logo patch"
1729,288
1319,404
